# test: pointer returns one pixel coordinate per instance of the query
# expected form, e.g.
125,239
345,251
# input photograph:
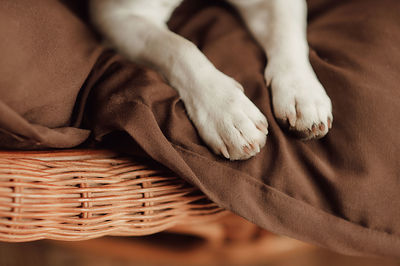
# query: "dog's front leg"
224,117
299,100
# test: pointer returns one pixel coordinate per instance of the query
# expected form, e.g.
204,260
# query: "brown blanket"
57,85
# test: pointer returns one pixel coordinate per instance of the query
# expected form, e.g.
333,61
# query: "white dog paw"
229,123
301,104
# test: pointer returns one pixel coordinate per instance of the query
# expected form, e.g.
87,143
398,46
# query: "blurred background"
229,241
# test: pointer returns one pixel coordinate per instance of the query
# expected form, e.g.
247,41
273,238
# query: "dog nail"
314,129
262,127
252,146
329,123
292,120
255,147
247,150
322,127
225,152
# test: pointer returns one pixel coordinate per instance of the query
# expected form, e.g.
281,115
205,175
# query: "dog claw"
224,152
262,127
247,150
314,128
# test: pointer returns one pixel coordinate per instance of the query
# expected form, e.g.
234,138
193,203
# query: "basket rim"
79,153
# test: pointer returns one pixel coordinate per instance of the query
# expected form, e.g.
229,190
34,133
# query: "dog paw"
228,122
301,104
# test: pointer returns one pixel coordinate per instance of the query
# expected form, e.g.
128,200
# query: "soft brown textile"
341,192
46,55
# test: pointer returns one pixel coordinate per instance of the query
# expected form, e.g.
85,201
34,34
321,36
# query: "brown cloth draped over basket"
58,86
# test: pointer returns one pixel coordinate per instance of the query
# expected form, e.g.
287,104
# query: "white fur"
225,118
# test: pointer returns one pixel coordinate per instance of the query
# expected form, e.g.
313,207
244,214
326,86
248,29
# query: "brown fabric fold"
46,55
340,192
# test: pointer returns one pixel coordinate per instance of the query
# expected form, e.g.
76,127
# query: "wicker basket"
84,194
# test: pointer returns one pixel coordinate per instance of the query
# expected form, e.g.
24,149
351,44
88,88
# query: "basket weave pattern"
83,194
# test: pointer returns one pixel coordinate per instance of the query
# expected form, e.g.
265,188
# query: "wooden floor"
228,240
132,251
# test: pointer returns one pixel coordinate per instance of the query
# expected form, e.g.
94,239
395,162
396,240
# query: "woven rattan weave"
83,194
